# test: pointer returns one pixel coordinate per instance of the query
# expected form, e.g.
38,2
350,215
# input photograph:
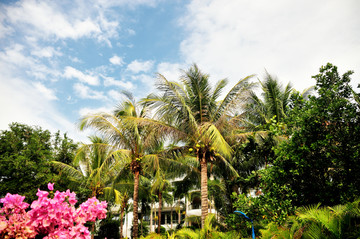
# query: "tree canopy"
25,153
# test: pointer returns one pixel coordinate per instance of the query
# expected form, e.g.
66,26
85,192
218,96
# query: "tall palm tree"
134,142
192,110
96,166
274,103
159,186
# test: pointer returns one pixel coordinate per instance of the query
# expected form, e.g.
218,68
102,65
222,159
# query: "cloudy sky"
60,60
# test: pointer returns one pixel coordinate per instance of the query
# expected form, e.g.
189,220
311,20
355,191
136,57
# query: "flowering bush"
49,217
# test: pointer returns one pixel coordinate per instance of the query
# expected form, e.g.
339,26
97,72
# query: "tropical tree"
191,110
159,185
293,228
323,148
274,102
25,155
209,230
94,166
331,222
124,199
134,142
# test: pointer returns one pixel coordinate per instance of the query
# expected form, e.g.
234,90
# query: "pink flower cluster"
50,217
14,221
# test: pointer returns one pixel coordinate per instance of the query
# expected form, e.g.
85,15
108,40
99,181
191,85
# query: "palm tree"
95,165
291,229
208,231
159,185
274,103
133,142
124,198
192,111
330,222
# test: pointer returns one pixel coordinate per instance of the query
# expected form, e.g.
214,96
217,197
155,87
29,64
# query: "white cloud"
48,93
4,30
75,59
289,38
131,32
171,71
21,102
130,3
90,79
88,111
46,52
147,84
116,95
45,20
85,92
109,81
143,78
116,60
14,57
140,66
109,29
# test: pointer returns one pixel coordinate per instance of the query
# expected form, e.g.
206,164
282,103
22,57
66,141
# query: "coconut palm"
124,198
159,185
274,103
95,166
133,142
191,110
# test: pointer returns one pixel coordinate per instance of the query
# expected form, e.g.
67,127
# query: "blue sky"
60,60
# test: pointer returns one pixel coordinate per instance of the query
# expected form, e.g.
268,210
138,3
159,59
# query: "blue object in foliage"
241,214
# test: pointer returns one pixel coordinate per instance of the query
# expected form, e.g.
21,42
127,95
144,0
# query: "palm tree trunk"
171,216
204,191
135,204
151,217
159,213
122,218
179,213
126,226
92,230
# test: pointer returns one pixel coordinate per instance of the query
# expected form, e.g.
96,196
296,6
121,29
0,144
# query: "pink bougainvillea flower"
42,194
13,202
50,186
52,217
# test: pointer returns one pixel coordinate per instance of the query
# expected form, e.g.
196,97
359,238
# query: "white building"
187,209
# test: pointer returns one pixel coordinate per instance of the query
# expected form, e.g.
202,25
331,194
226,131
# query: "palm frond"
188,233
67,169
108,125
211,133
237,94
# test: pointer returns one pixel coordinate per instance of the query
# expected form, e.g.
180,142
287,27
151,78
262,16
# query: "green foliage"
109,228
25,152
331,222
253,207
143,228
319,162
208,231
154,236
292,228
64,148
163,231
